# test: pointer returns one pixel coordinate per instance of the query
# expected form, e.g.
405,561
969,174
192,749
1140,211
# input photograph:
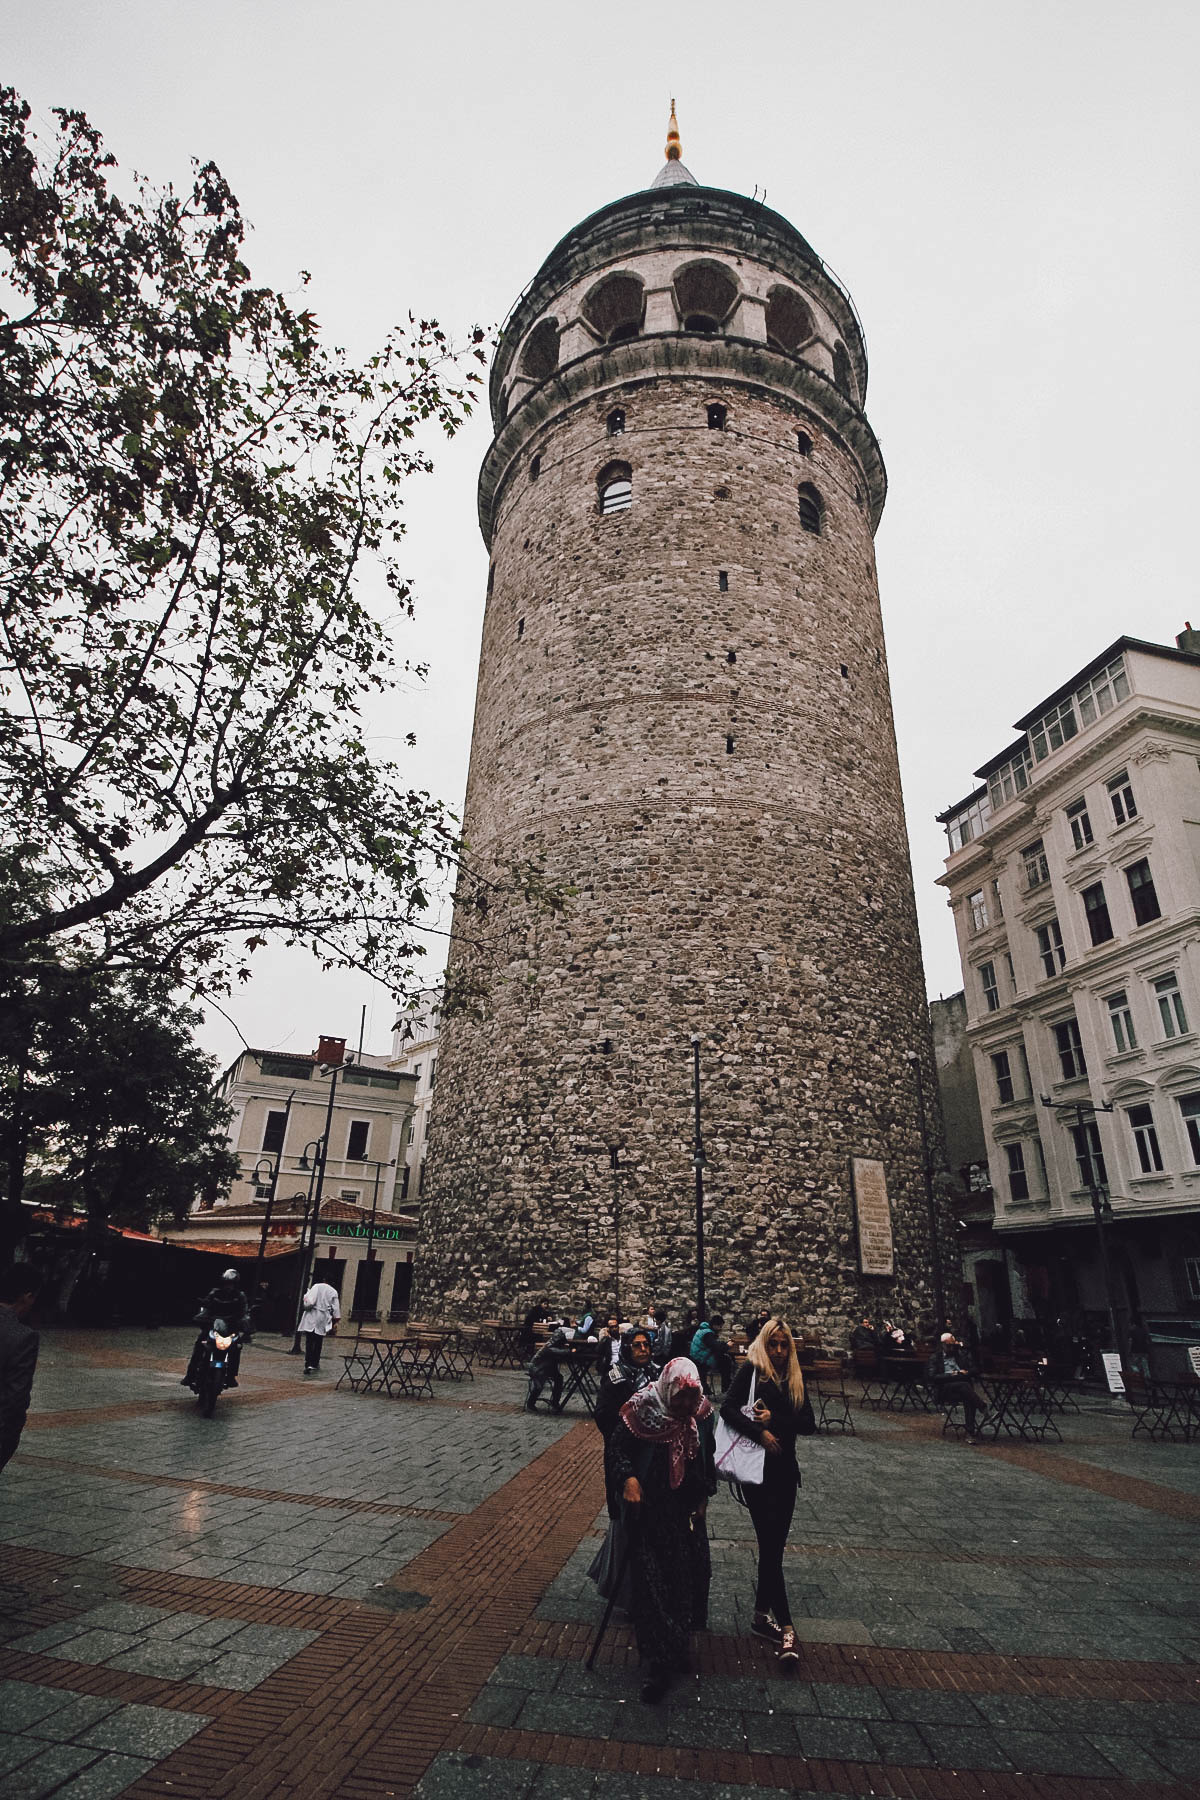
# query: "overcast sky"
1008,191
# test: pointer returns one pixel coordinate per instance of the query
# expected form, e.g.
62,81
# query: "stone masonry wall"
710,766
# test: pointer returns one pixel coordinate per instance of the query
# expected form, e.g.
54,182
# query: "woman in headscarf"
659,1459
634,1370
782,1412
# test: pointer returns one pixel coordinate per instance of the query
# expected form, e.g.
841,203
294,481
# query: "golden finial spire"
674,147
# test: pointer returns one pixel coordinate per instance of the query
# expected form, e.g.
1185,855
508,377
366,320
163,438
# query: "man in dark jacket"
226,1301
18,1355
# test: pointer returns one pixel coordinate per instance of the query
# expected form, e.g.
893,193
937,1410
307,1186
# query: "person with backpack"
710,1355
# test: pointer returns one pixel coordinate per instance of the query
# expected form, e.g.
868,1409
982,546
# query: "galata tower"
683,718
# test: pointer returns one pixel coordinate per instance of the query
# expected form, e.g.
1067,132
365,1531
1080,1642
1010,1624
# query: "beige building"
364,1240
415,1054
1074,881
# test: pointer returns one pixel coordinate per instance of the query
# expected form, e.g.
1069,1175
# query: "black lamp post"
698,1160
614,1160
377,1166
275,1168
320,1147
935,1247
1082,1113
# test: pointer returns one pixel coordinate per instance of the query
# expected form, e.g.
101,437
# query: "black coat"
18,1359
788,1422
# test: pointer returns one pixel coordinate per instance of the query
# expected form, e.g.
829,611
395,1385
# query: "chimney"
1188,639
332,1051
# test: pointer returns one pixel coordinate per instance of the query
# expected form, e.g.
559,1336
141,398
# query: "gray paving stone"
497,1705
73,1713
850,1702
110,1776
772,1734
278,1641
16,1749
963,1747
842,1740
241,1672
456,1777
115,1615
22,1702
568,1714
162,1658
94,1646
926,1706
45,1772
1046,1753
147,1731
1180,1755
899,1743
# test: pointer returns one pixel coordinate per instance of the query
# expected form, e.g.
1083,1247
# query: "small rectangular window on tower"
729,743
723,580
520,628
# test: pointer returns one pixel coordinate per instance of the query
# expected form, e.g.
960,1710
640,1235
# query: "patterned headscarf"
649,1415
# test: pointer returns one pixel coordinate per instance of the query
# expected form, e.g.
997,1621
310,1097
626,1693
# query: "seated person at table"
864,1336
893,1338
610,1342
681,1337
950,1378
547,1366
535,1316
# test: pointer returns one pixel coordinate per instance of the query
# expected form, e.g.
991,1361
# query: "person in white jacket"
322,1310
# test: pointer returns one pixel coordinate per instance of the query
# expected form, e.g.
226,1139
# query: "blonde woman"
782,1413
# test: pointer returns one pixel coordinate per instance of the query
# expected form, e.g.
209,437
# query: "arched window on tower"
614,308
789,322
705,293
615,423
804,443
615,487
811,509
539,358
842,379
717,416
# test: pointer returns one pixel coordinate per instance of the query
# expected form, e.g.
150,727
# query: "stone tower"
683,715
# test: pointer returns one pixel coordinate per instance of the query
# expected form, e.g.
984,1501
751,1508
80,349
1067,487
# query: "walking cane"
617,1586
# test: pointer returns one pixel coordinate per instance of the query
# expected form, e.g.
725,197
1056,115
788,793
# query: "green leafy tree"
115,1112
192,485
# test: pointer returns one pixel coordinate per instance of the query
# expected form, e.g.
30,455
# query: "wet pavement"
319,1593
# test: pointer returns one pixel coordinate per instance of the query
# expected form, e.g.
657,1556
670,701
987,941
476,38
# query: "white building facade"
1074,877
365,1239
415,1054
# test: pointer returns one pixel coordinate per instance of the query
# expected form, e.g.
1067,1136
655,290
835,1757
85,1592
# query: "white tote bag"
739,1458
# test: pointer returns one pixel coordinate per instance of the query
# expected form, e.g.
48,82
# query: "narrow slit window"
729,743
809,503
520,628
535,468
723,580
731,656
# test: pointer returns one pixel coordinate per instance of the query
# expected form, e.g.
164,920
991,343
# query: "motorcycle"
212,1376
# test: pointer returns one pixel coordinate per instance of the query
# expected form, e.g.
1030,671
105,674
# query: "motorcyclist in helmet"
226,1301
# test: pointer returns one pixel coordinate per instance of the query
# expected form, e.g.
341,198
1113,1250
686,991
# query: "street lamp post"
321,1147
935,1248
266,1224
377,1166
698,1160
614,1159
1084,1113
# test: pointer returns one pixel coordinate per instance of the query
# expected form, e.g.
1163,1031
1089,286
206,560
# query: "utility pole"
698,1160
266,1224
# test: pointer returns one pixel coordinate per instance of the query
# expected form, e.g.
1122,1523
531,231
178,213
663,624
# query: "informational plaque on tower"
873,1213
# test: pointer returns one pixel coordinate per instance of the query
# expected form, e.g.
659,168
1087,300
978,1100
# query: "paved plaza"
320,1594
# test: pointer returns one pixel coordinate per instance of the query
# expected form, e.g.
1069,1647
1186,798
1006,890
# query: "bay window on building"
1145,1139
1002,1070
1141,892
1120,1021
1018,1179
1081,825
990,986
1089,1157
1096,908
1120,794
1050,949
1170,1006
1189,1107
1070,1050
